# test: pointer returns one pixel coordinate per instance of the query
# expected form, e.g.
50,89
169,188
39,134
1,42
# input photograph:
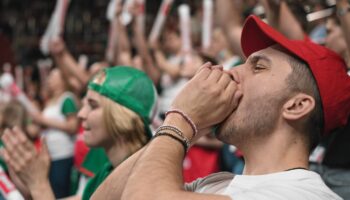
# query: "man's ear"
298,106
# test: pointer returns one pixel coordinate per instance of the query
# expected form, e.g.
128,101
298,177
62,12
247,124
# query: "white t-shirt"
59,143
288,185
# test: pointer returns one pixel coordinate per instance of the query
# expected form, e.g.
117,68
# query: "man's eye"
258,67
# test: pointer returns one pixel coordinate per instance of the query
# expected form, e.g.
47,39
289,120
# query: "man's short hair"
302,80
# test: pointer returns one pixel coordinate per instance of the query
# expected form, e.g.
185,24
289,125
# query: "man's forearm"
157,171
157,174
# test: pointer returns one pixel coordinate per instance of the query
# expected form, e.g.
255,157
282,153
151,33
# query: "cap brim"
257,35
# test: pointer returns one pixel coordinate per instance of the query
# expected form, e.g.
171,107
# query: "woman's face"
91,114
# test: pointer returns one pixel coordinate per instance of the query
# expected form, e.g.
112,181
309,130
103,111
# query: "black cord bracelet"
175,138
176,131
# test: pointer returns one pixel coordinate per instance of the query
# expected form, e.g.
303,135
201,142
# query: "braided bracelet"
176,131
172,128
184,144
178,135
187,118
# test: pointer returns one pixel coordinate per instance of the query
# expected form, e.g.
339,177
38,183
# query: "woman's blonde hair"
14,114
123,124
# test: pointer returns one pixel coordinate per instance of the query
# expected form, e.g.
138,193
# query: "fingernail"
208,63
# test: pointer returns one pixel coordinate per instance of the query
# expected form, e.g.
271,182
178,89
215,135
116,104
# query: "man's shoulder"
215,183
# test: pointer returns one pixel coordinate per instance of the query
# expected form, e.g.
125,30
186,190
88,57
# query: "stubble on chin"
258,121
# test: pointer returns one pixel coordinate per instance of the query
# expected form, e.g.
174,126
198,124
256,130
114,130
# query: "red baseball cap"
327,67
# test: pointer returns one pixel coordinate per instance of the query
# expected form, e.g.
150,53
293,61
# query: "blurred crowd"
44,99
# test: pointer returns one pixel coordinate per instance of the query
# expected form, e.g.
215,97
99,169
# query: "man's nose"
236,73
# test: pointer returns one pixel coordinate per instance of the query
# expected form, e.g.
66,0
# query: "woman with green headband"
116,112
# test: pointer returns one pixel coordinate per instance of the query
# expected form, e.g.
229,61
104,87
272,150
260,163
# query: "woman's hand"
30,165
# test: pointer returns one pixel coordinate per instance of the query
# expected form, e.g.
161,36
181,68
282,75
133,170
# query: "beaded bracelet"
187,118
176,131
184,144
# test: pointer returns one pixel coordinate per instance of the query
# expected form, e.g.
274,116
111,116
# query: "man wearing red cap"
273,108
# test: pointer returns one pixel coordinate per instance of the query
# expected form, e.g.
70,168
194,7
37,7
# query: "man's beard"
254,120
